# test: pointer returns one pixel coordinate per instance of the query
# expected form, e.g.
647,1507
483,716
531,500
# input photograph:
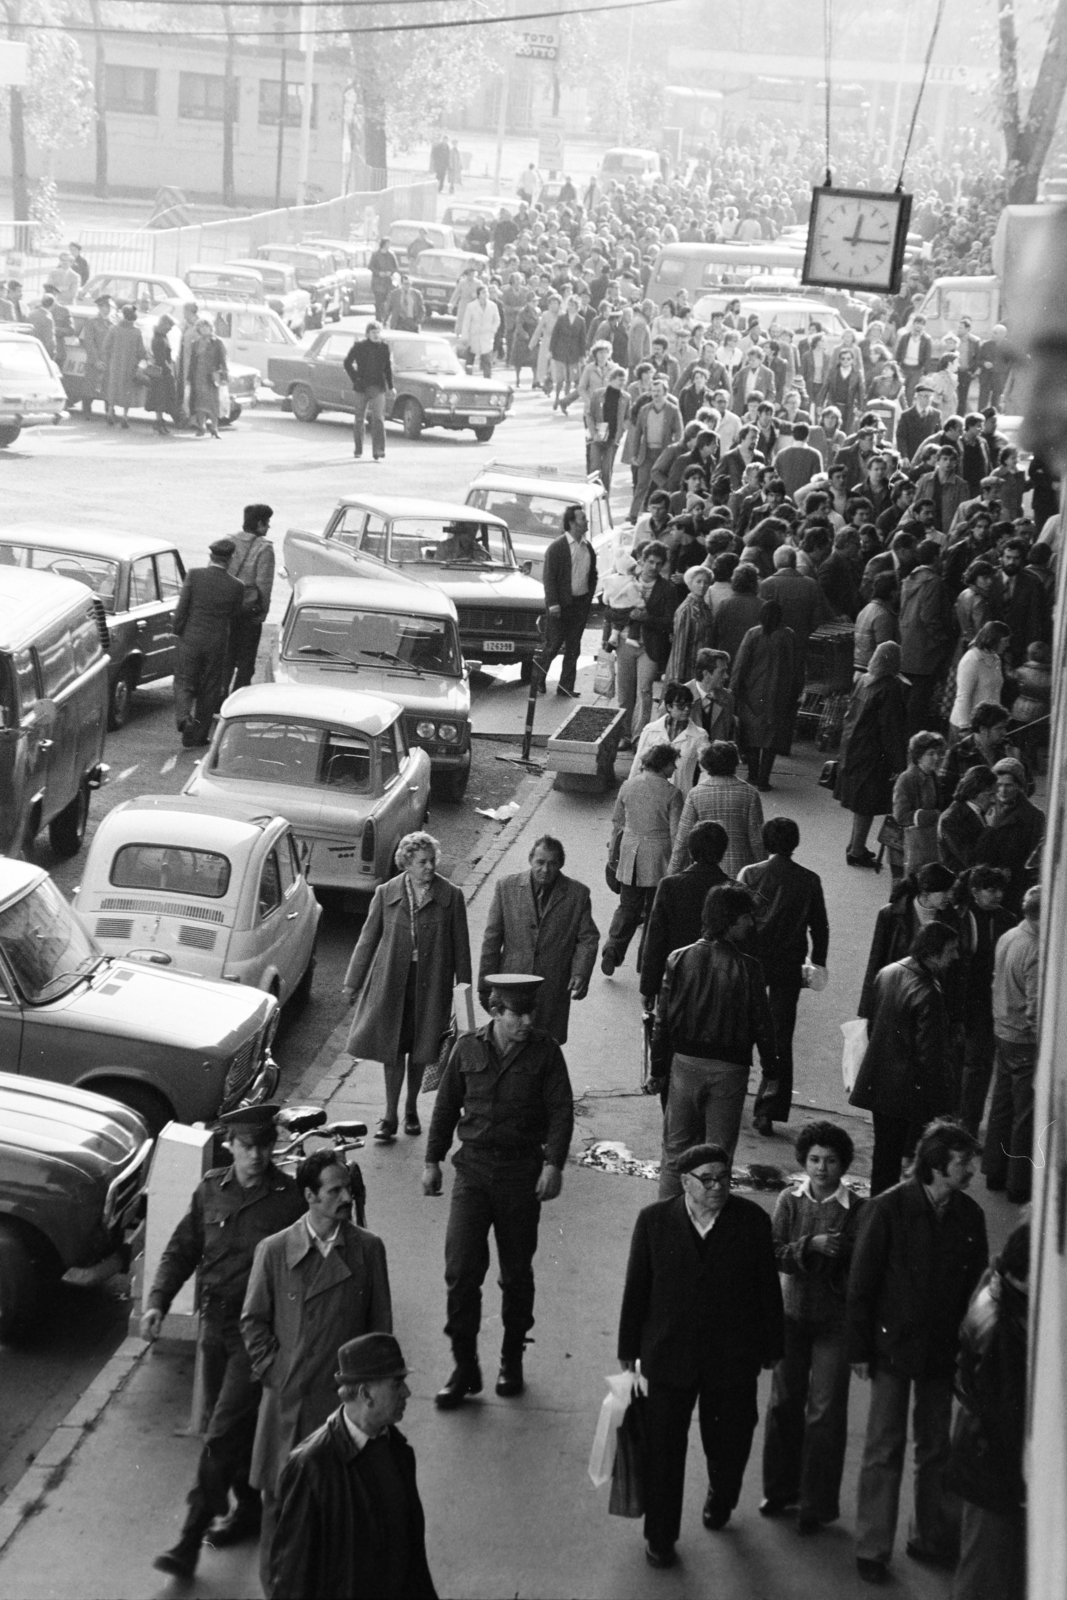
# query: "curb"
50,1464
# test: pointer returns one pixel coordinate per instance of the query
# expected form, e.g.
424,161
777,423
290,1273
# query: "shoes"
510,1381
465,1380
357,455
242,1524
772,1506
867,858
807,1524
180,1561
763,1125
929,1558
109,419
565,694
872,1571
377,458
764,788
716,1513
385,1132
607,964
412,1125
125,423
661,1558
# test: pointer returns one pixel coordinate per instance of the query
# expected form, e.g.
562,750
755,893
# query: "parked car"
172,1046
793,311
392,638
282,292
432,389
137,580
212,280
72,1175
238,904
356,254
435,274
141,289
320,272
251,334
31,386
243,381
401,232
532,500
433,541
53,708
336,762
461,215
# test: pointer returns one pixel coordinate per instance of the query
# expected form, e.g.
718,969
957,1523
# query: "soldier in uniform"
233,1208
509,1084
209,608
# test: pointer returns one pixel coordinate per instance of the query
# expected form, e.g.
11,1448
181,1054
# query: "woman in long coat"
520,354
763,689
541,340
412,952
843,387
644,822
693,623
123,353
873,748
162,388
207,370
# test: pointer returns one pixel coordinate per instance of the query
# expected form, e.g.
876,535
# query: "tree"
54,109
1027,138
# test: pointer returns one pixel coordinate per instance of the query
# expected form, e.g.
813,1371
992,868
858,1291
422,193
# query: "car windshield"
171,869
101,576
23,359
429,541
536,515
372,638
305,755
428,355
435,266
44,944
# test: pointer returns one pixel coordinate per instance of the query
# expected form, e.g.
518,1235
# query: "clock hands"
857,238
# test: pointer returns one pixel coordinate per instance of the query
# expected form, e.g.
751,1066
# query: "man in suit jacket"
914,353
569,577
1020,601
541,921
208,608
750,376
917,424
791,926
674,920
702,1312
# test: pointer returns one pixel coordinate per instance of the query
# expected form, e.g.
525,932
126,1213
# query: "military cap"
222,549
369,1359
518,989
252,1122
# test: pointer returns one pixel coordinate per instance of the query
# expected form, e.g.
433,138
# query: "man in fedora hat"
209,608
508,1082
350,1521
232,1209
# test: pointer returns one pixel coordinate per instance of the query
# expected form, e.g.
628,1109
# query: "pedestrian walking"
404,307
1007,1160
609,414
383,265
978,899
370,372
232,1210
78,262
643,827
721,796
162,393
692,625
711,1012
570,580
792,929
645,645
702,1313
713,704
541,921
413,950
208,608
1015,832
350,1523
43,323
918,1258
506,1089
313,1285
187,335
764,688
962,825
123,354
815,1226
208,372
675,918
873,748
481,321
93,338
252,564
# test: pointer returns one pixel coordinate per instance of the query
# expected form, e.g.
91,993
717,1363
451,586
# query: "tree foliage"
1028,135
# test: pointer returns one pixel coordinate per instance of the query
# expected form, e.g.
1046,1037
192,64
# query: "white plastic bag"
855,1049
621,1388
604,681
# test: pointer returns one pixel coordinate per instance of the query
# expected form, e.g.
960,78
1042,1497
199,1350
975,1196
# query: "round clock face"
854,238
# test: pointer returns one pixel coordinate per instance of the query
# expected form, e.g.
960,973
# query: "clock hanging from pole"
856,239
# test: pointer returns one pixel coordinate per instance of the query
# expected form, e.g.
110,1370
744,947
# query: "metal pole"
311,13
502,124
894,125
283,88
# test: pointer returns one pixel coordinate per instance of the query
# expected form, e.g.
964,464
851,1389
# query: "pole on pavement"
537,674
311,21
283,91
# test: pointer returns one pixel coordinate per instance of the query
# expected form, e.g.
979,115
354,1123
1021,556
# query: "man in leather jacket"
712,1009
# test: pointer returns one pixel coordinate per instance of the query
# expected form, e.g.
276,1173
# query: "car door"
330,380
254,339
153,621
299,918
270,926
10,1026
170,575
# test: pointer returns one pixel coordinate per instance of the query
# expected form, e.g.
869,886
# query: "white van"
624,162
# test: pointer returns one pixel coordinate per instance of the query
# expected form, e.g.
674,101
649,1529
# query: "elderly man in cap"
350,1521
209,608
507,1087
233,1208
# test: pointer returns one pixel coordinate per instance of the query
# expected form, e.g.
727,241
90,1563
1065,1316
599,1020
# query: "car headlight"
447,732
450,398
425,730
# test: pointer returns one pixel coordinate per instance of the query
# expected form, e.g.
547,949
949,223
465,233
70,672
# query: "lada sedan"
170,1045
233,899
335,763
532,500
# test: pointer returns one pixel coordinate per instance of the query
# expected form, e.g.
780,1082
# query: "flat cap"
258,1122
702,1155
370,1358
222,549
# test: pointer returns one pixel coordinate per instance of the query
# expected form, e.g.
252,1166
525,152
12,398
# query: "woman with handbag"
910,832
162,389
412,952
124,355
643,827
207,372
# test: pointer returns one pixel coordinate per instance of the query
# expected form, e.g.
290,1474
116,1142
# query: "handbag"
141,375
920,846
891,834
828,775
224,401
628,1473
604,681
431,1078
611,871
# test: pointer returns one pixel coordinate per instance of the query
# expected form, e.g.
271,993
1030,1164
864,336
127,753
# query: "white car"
251,334
213,889
335,763
31,390
532,501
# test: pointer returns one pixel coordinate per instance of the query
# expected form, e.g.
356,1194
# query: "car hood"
87,1131
454,380
466,586
428,696
302,807
136,1002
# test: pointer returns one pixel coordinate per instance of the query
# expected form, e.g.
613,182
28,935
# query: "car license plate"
480,416
498,647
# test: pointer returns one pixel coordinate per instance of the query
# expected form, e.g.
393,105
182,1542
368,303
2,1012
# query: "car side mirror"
526,567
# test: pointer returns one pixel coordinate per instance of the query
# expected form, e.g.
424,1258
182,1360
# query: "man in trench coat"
541,921
313,1286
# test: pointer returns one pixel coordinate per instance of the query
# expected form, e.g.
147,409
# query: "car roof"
447,250
378,594
217,266
370,713
188,826
29,600
116,543
404,505
137,276
239,810
572,490
18,876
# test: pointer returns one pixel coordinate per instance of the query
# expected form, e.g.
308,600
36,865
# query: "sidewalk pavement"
510,1509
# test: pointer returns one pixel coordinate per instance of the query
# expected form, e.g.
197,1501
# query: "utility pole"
283,94
502,117
310,11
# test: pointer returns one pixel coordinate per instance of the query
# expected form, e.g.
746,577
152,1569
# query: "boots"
510,1381
180,1560
242,1523
466,1379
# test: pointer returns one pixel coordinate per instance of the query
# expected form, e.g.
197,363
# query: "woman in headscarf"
123,353
162,389
763,688
1017,829
693,624
526,319
207,370
873,748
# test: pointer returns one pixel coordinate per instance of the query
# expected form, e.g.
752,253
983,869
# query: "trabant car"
72,1175
322,273
137,580
461,216
401,232
356,254
250,334
31,386
141,289
335,762
794,312
210,280
468,557
435,273
532,501
392,638
432,389
172,1046
235,901
282,292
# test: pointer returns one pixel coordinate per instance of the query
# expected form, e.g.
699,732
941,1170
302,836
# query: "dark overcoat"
874,746
559,946
763,684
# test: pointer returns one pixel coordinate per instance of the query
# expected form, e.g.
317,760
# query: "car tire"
20,1288
305,407
301,995
8,436
485,432
148,1103
66,832
452,786
410,413
118,709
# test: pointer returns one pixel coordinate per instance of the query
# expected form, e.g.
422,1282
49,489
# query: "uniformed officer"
508,1082
233,1208
209,606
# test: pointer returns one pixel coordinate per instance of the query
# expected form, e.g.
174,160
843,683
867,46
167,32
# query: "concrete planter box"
582,752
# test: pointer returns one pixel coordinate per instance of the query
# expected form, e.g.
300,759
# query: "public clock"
856,239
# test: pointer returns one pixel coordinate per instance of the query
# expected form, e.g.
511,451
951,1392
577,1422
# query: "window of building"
132,89
270,94
202,96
